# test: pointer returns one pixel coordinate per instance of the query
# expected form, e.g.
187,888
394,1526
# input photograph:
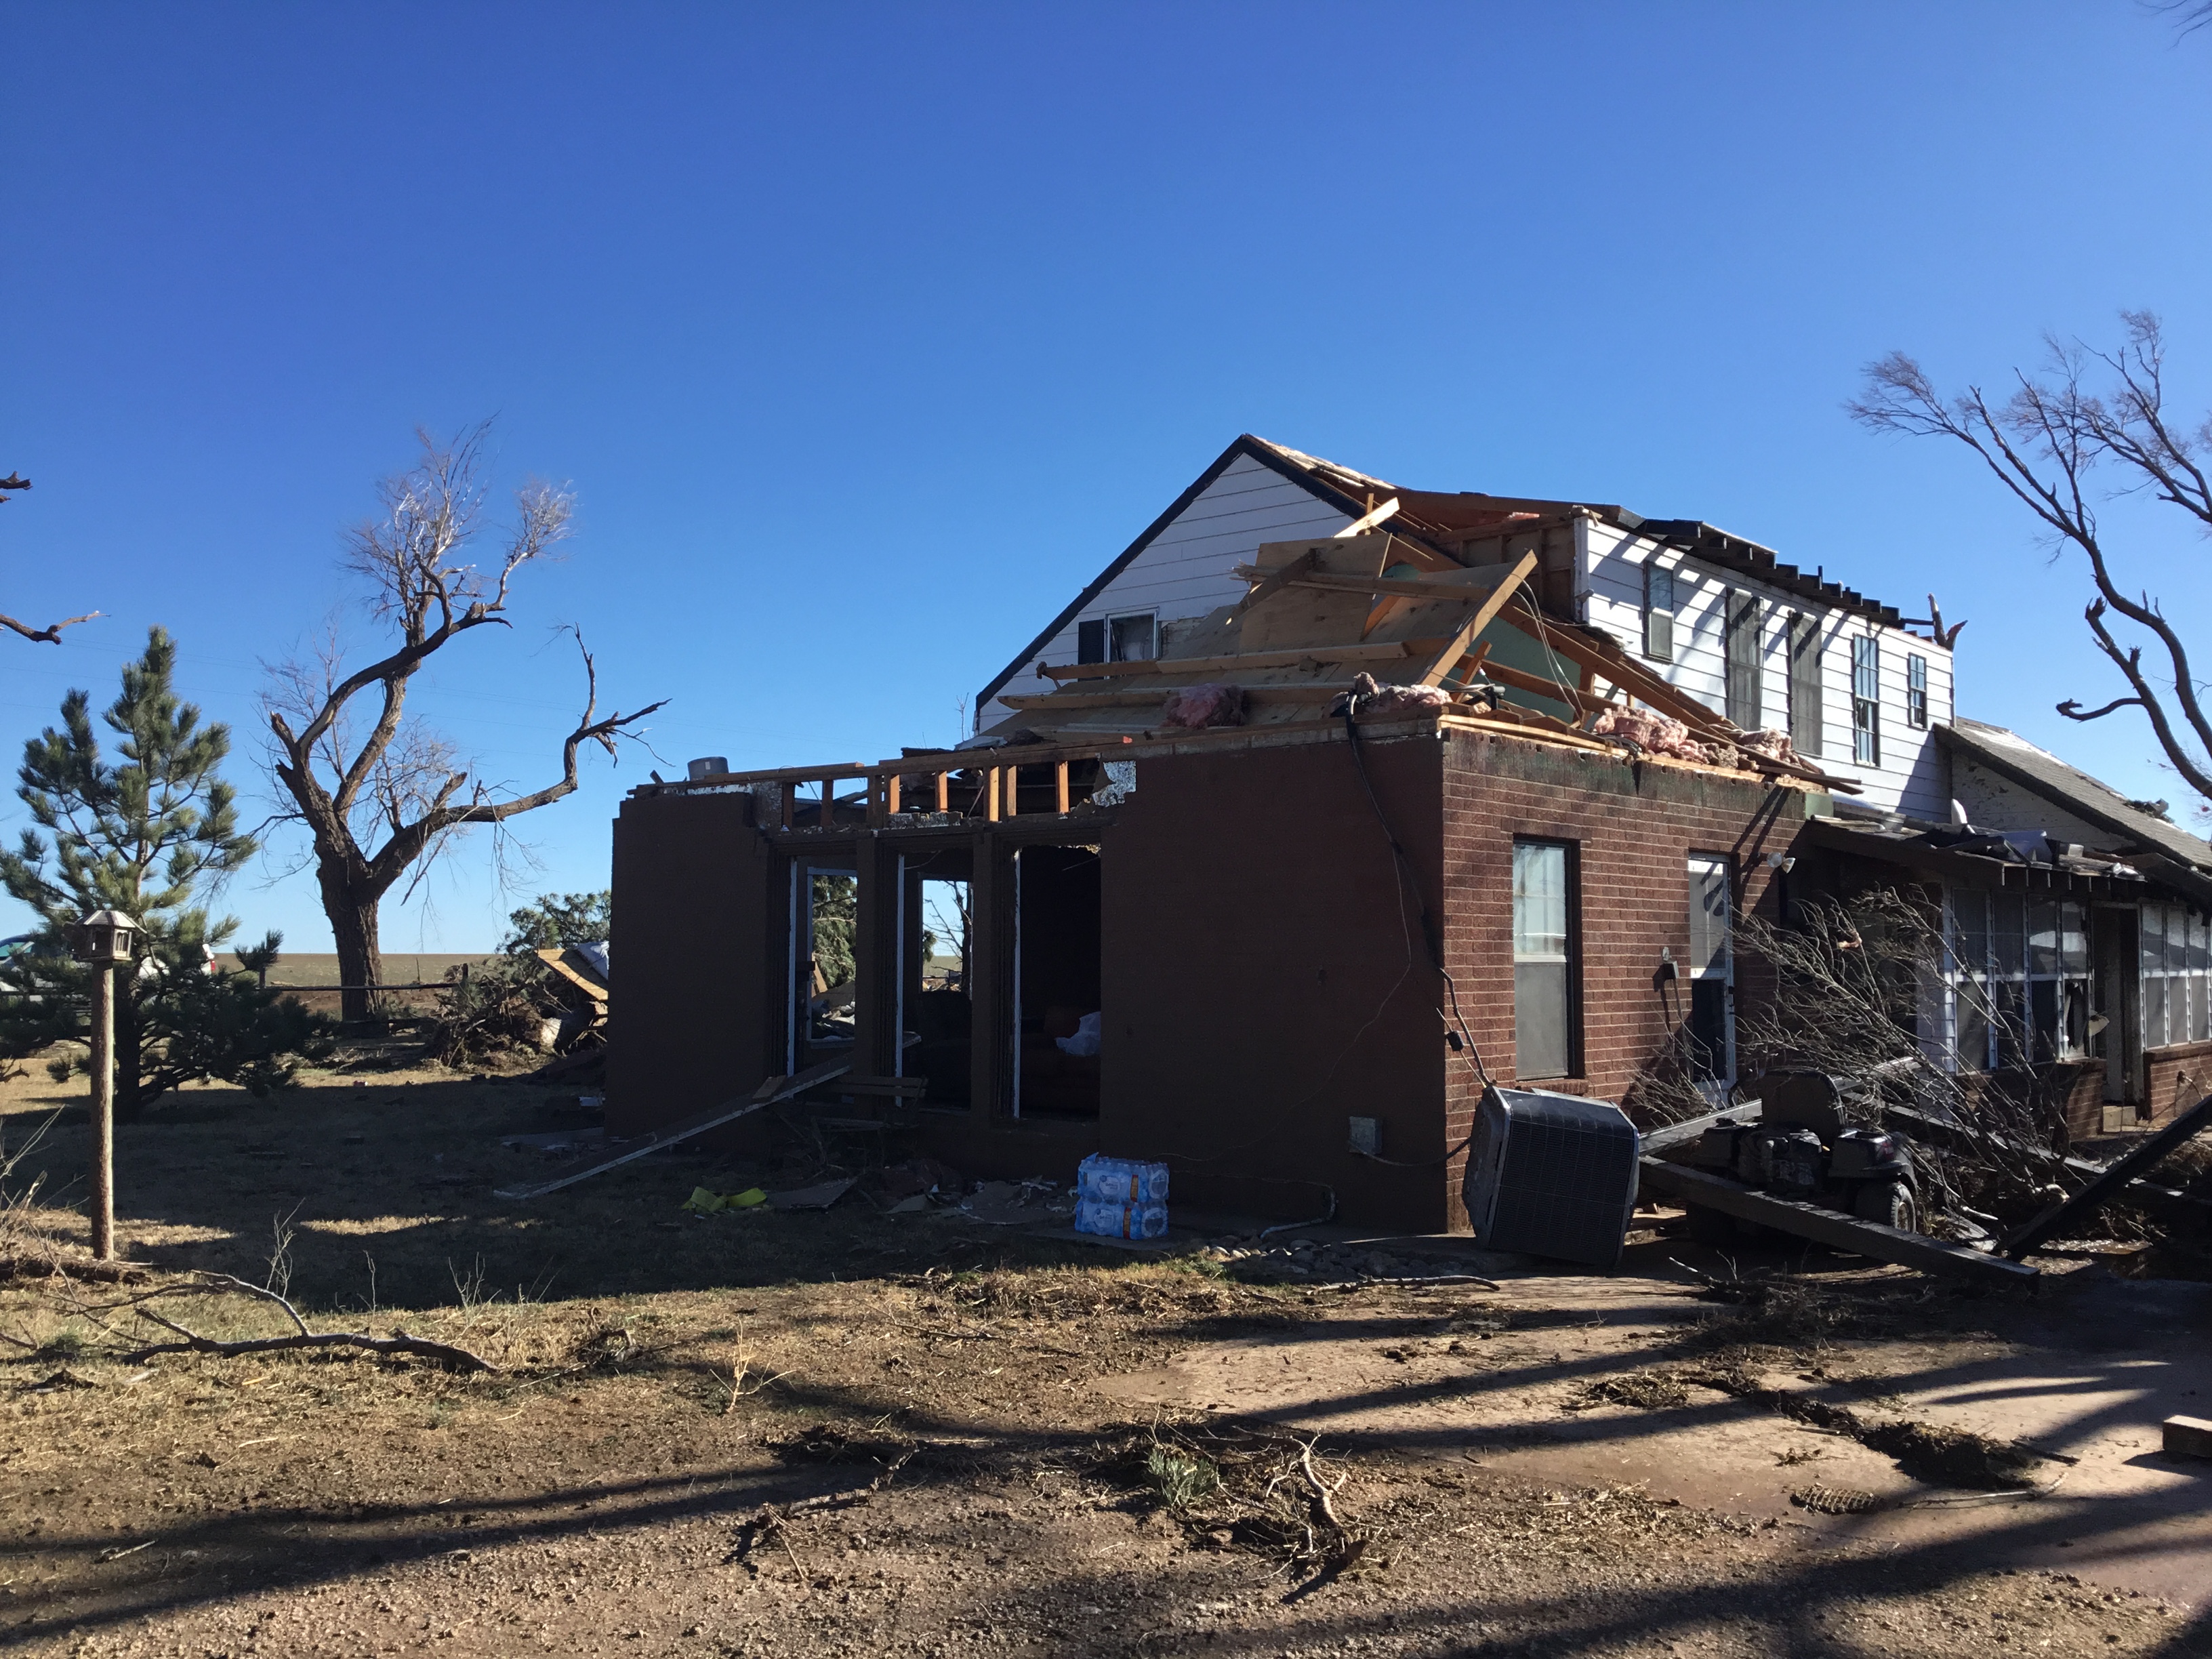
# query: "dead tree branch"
399,1342
2042,444
379,797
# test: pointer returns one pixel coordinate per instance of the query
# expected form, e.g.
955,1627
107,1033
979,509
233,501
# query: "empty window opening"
825,910
1058,1024
1545,1019
1805,710
1739,624
1131,639
1712,972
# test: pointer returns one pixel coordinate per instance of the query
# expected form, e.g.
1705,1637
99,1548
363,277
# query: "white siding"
1991,802
1913,777
1184,572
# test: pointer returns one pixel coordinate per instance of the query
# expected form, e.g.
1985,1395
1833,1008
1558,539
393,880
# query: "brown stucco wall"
696,920
1257,993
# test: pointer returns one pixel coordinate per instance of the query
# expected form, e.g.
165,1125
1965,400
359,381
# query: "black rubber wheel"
1708,1225
1889,1202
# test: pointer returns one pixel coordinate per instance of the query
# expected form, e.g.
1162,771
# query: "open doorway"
824,914
936,1015
1058,1023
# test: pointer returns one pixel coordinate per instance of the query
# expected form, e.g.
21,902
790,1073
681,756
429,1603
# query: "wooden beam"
1456,648
1373,516
775,1090
1832,1228
1152,697
1464,585
1273,581
2112,1182
1208,667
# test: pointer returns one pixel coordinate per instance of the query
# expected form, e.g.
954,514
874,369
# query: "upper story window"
1916,692
1658,613
1118,639
1805,713
1740,643
1866,699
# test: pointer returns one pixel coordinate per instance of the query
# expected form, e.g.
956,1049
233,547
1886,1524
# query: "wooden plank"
2110,1185
590,984
1297,616
1243,662
1831,1228
1152,698
1274,582
1456,585
1447,658
775,1090
1373,516
1537,685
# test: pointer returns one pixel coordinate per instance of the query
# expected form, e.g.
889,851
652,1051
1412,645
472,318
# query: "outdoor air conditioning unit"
1552,1175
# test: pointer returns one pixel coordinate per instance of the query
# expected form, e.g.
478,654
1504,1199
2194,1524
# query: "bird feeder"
105,937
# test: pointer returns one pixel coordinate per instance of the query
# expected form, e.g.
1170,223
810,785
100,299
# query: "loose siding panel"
1185,571
1913,777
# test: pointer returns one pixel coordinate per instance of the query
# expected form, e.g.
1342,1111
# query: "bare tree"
2042,442
396,781
52,633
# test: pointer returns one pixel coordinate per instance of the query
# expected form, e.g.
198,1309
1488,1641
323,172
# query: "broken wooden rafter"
1463,640
1368,521
2112,1182
1465,584
1831,1228
1151,696
1210,667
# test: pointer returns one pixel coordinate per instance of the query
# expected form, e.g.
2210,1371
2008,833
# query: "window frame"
2186,963
1866,699
1659,606
1916,692
1569,959
1808,711
1152,621
2011,984
1743,620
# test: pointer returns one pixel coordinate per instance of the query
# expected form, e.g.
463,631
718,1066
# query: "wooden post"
788,793
988,977
991,776
103,1113
875,971
893,794
1060,783
945,791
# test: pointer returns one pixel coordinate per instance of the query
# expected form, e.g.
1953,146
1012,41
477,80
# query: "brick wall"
1635,827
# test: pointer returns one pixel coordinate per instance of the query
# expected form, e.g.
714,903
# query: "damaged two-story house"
1328,799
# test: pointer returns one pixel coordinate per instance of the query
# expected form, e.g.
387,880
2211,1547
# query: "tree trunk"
360,967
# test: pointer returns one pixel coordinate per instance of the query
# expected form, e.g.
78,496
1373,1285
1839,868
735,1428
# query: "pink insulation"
1196,705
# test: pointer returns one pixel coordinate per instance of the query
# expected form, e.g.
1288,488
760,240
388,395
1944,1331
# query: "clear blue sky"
868,333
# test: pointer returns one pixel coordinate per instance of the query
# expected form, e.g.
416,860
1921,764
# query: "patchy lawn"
850,1432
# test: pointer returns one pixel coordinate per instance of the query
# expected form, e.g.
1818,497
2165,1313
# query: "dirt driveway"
851,1431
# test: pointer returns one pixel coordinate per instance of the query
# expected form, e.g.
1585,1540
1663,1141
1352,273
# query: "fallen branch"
771,1520
399,1342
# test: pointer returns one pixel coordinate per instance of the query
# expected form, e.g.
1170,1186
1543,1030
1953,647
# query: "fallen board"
1832,1228
1676,1137
776,1089
2113,1183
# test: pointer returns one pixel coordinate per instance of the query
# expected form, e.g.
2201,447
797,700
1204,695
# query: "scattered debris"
1837,1500
2187,1436
1645,1390
704,1202
820,1196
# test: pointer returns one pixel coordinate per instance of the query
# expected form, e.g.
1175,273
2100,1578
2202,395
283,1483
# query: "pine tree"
147,834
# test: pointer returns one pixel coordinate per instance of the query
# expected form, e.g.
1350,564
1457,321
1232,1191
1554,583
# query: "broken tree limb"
769,1094
1831,1228
399,1342
2111,1184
